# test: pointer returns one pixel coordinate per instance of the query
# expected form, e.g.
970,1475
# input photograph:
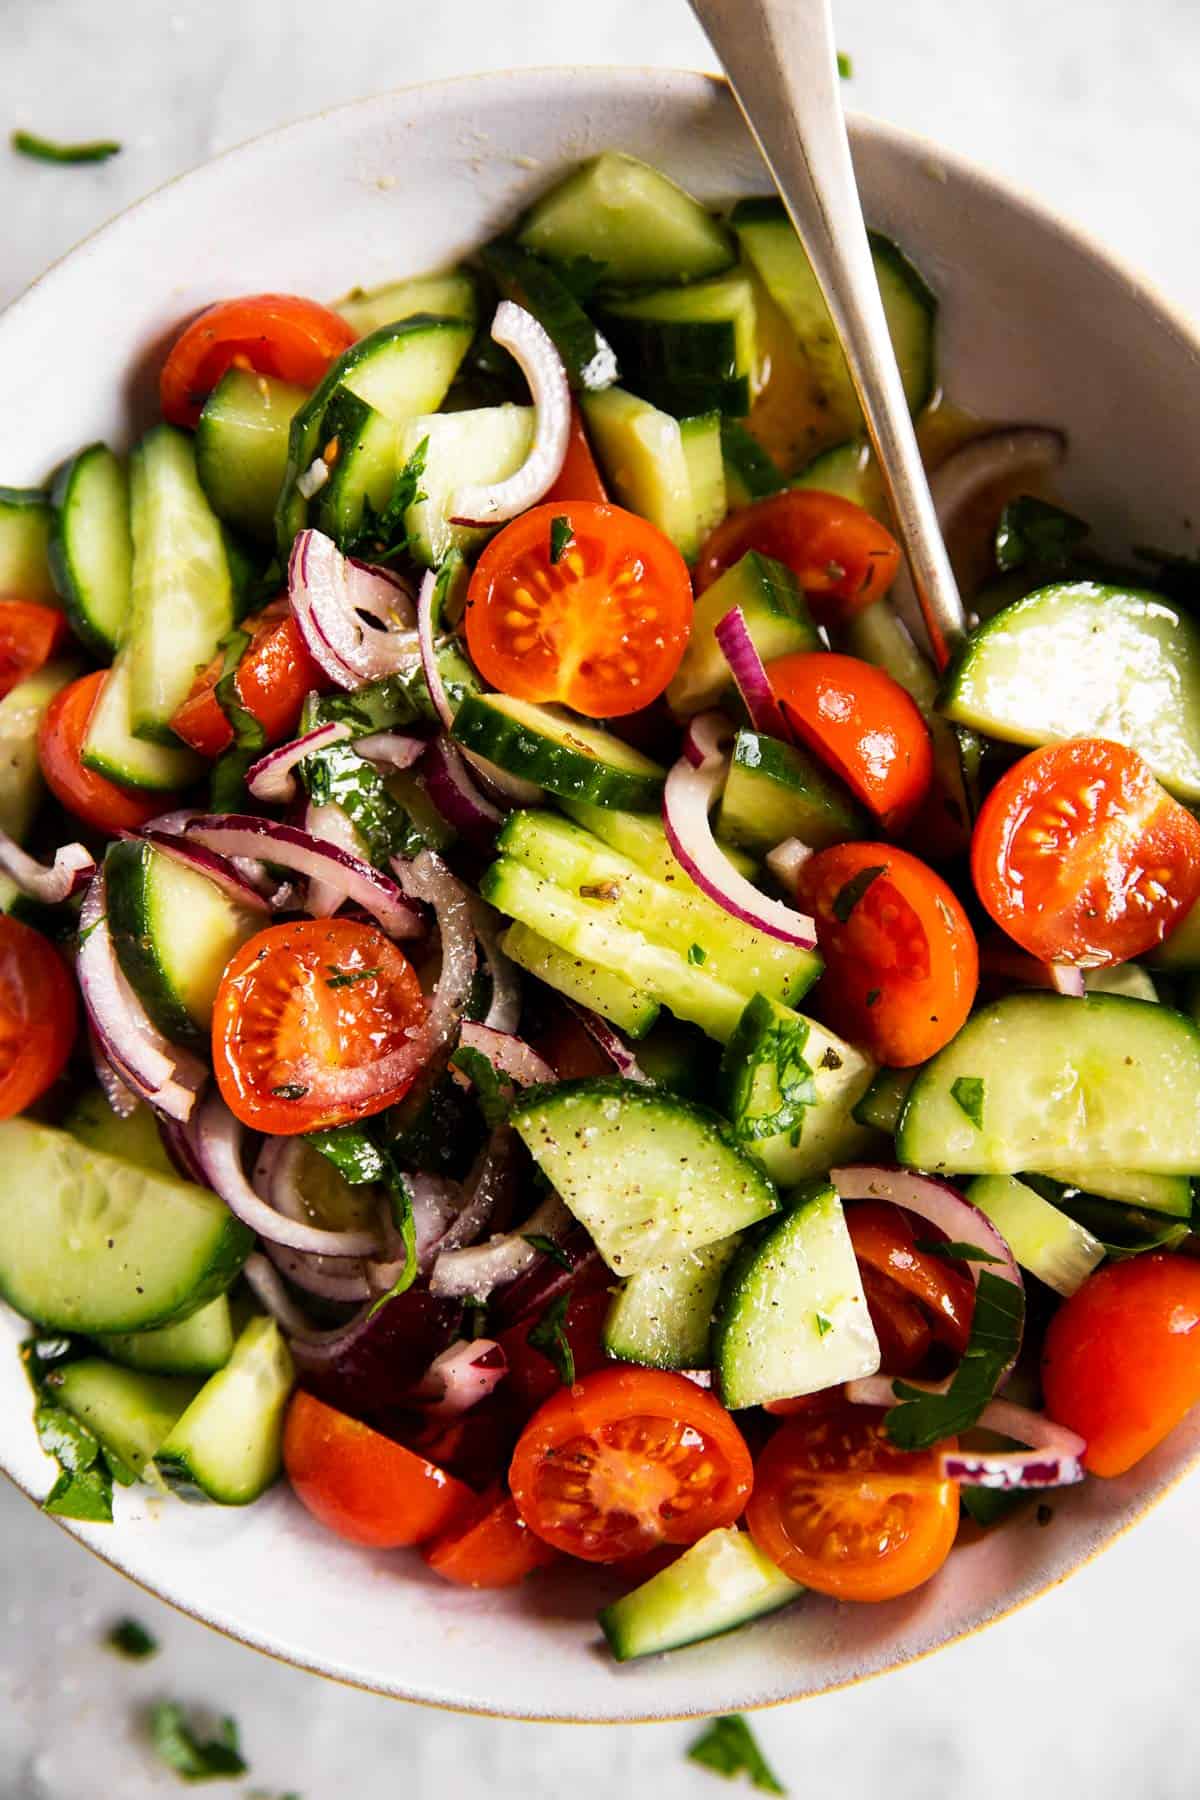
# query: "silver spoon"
781,61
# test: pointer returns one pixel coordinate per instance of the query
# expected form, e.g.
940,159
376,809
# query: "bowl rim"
968,177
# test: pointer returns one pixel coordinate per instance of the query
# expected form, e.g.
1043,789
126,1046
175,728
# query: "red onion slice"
271,1294
450,787
1066,979
477,503
217,869
121,1099
510,1056
72,869
487,1197
241,834
691,788
504,1008
331,596
785,862
426,599
476,1271
316,1275
391,749
461,1377
746,666
608,1039
329,824
1052,1460
272,778
177,1142
939,1204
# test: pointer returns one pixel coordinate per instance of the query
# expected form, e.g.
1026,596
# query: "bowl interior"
1036,325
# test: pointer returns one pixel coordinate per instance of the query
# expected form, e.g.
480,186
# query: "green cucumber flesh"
662,1317
129,1410
486,444
750,473
1123,978
586,354
450,296
242,448
228,1445
558,751
22,710
719,1583
99,1245
640,451
585,983
199,1345
701,438
1181,951
1170,1194
846,470
361,448
90,547
641,837
622,213
111,748
776,790
1099,1083
689,349
1050,1245
792,1317
26,518
776,615
878,636
674,1056
134,1138
652,1177
882,1104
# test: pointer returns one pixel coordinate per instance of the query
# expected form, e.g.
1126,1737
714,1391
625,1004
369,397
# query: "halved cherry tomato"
99,802
579,478
602,629
1121,1360
1081,857
901,963
842,557
274,334
491,1547
29,636
532,1377
900,1325
883,1238
863,724
362,1485
38,1016
570,1048
841,1510
297,1004
628,1459
273,677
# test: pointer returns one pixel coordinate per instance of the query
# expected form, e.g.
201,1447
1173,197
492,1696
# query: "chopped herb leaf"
228,781
84,1487
848,897
727,1746
581,275
845,66
824,1325
383,534
131,1640
873,996
697,954
27,143
181,1750
773,1083
550,1337
967,1094
1033,531
753,468
290,1090
354,1154
548,1247
343,978
402,1218
560,536
924,1419
492,1091
961,1252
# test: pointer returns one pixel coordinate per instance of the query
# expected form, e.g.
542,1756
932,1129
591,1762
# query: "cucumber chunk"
556,750
99,1245
1171,1194
777,618
621,212
242,446
1124,978
641,453
173,930
21,712
651,1176
131,1412
228,1445
701,439
775,791
1180,951
487,444
26,517
721,1582
882,1104
847,470
110,747
879,637
585,983
449,296
691,349
1121,663
361,448
586,354
134,1139
1099,1083
663,1316
90,547
199,1345
1045,1241
750,472
792,1317
640,837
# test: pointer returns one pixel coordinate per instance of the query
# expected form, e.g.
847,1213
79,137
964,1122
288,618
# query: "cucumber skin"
503,740
58,555
177,1463
126,872
625,1622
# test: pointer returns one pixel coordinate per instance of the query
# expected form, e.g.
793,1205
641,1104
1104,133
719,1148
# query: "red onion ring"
217,869
178,1145
939,1204
492,503
456,796
313,1274
510,1056
460,1378
486,1192
1053,1459
121,1099
1066,978
272,779
329,593
329,824
476,1271
746,666
391,749
271,1294
504,1008
607,1038
72,869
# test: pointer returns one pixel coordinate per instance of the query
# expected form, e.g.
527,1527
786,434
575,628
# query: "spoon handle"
781,61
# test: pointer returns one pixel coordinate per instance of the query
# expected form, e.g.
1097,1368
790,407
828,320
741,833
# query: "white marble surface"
1091,103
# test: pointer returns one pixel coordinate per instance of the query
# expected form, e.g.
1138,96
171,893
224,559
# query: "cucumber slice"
99,1245
21,712
131,1412
362,450
690,349
110,747
556,750
173,930
674,1056
792,1317
450,296
721,1582
1125,665
1171,1194
1124,978
1181,951
90,547
585,983
242,446
770,243
586,354
776,615
26,517
1043,1240
228,1445
662,1318
750,473
183,602
487,444
652,1177
642,456
845,469
775,791
701,437
197,1346
640,837
879,637
882,1104
621,212
134,1139
1099,1083
793,1140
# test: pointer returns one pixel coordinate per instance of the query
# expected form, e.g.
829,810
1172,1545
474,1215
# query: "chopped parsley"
492,1091
27,143
547,1247
561,534
873,995
343,978
824,1325
967,1094
1033,531
961,1252
845,66
354,1154
697,954
383,534
995,1338
550,1337
290,1090
848,897
178,1745
131,1640
228,781
400,1194
728,1747
84,1486
772,1080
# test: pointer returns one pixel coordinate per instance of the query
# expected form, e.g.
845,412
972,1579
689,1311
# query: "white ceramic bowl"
1036,324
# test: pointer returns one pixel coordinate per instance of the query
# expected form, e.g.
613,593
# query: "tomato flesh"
842,557
300,1002
900,1325
626,1460
273,678
1121,1360
579,478
363,1486
274,334
532,1377
38,1016
1081,857
101,803
602,628
883,1237
491,1547
841,1510
29,636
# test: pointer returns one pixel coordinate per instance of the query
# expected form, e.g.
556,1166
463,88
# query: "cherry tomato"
1082,857
29,636
601,629
883,1238
532,1377
839,1509
99,802
579,478
362,1485
863,724
491,1547
842,557
628,1459
901,966
287,1020
274,334
38,1016
273,678
1121,1360
900,1324
569,1047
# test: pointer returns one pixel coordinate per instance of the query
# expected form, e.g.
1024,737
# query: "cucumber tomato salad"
528,1004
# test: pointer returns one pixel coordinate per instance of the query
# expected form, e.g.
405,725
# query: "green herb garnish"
824,1325
492,1091
354,1154
960,1252
548,1247
383,534
697,954
400,1194
845,66
848,897
728,1747
84,1487
131,1640
773,1082
550,1337
873,996
180,1748
1033,531
227,784
967,1094
560,536
290,1090
27,143
344,978
924,1419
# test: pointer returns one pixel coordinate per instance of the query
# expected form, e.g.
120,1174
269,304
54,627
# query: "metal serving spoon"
781,62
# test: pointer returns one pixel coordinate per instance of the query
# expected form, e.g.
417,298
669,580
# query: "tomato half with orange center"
580,603
38,1013
1081,857
103,804
285,335
298,1006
